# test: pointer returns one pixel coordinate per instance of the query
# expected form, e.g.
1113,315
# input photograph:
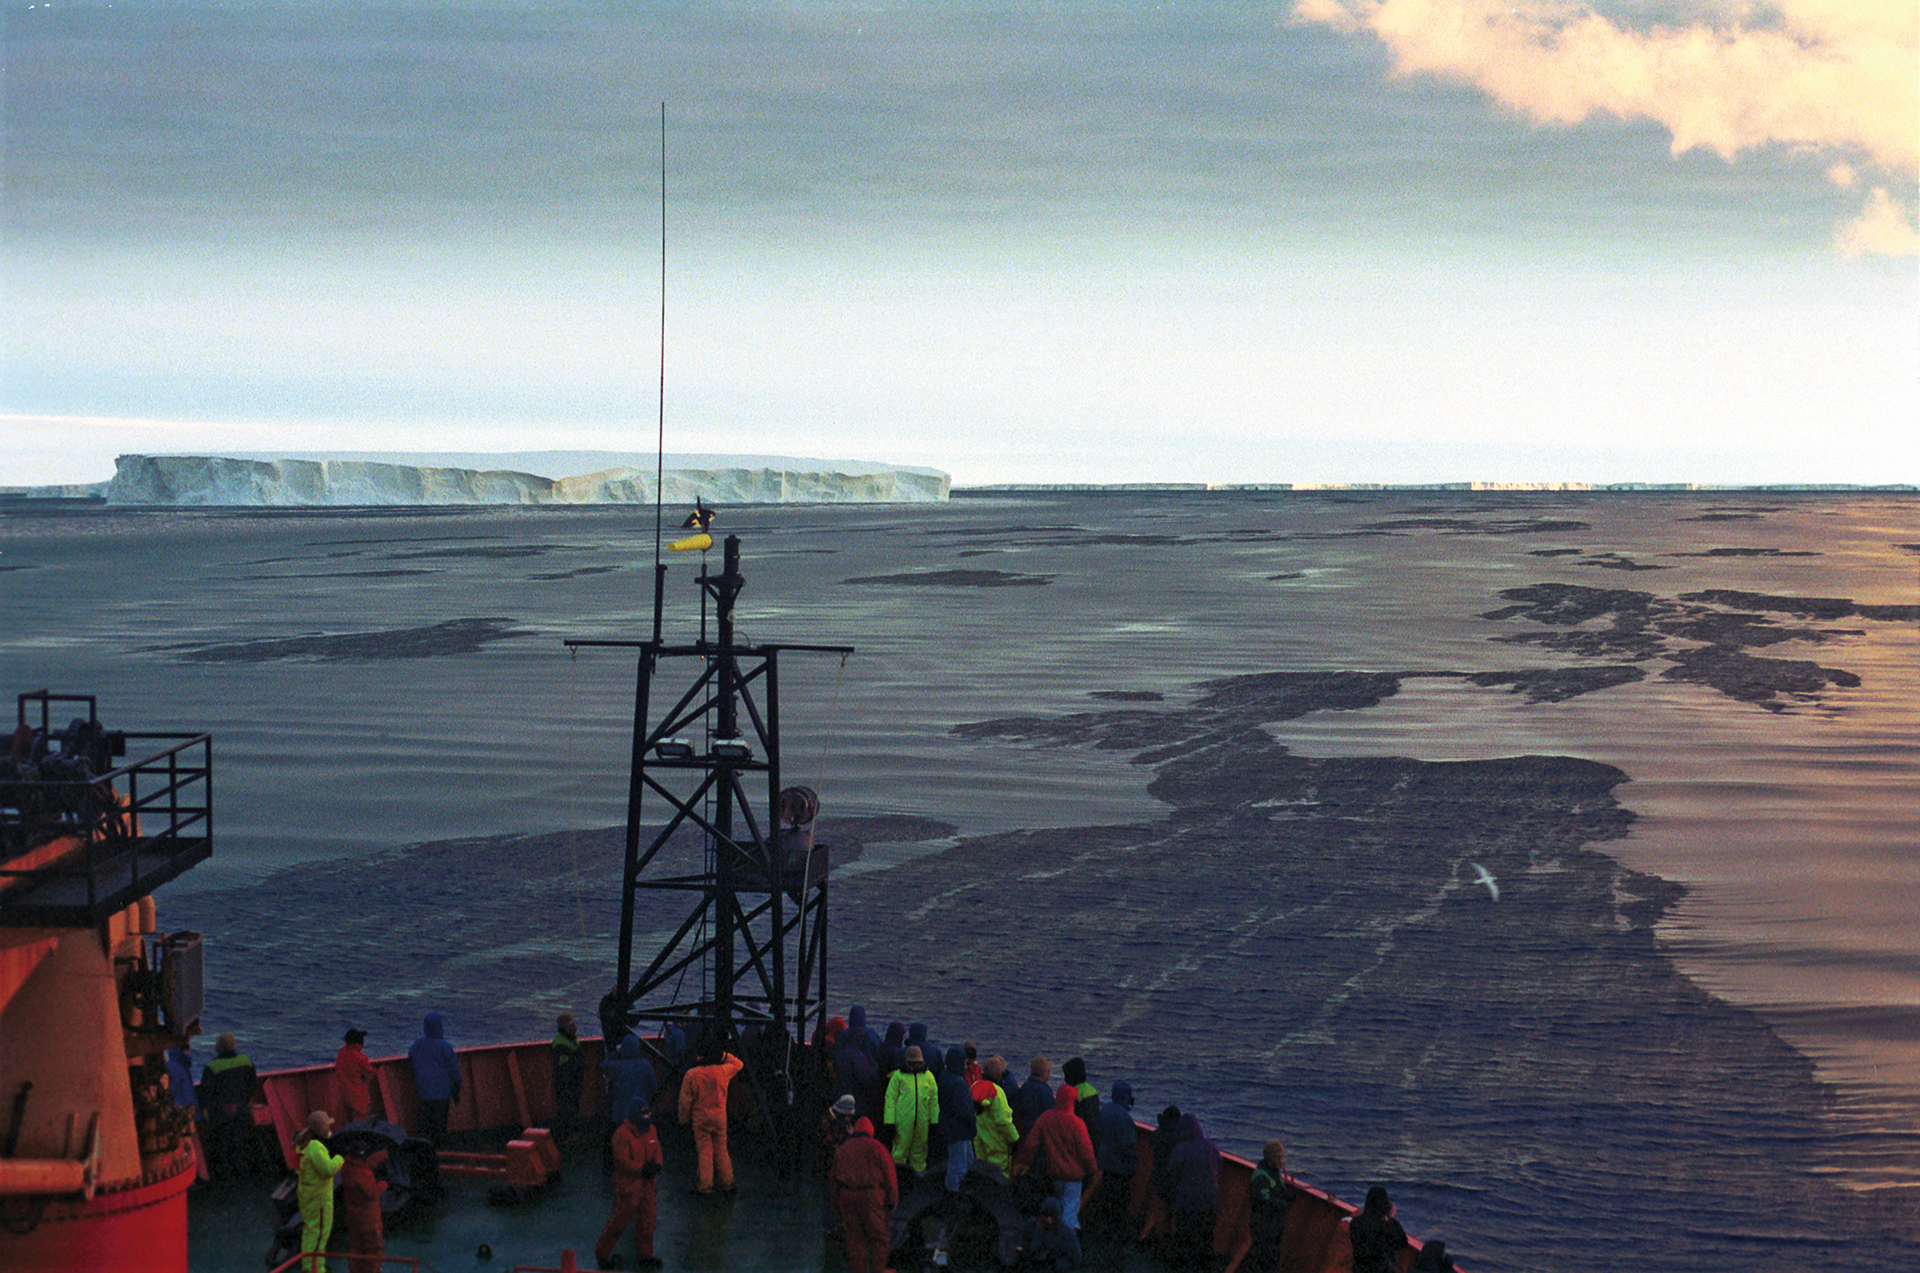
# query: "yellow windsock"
691,544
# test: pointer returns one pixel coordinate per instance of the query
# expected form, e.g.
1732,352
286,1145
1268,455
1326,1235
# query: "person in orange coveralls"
703,1102
353,1075
360,1192
636,1161
865,1189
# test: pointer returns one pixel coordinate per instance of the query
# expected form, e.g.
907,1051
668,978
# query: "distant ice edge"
304,482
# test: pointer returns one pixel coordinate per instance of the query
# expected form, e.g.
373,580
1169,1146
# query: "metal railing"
317,1262
77,845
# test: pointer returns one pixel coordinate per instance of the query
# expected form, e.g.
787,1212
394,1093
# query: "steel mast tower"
752,919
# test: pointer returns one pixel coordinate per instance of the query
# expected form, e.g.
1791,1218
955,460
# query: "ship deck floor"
770,1225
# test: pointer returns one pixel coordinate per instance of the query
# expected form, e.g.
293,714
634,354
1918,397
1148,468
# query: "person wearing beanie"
1087,1103
835,1126
315,1184
353,1077
864,1189
1270,1196
636,1192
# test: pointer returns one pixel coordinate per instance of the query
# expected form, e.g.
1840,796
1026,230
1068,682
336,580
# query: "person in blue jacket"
1116,1146
630,1077
859,1034
436,1077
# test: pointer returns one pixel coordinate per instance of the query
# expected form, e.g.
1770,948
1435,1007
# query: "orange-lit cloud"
1838,79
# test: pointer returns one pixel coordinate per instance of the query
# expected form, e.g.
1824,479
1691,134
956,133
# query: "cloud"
1885,228
1835,79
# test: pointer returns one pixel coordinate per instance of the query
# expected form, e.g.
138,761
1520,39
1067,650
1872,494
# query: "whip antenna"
660,440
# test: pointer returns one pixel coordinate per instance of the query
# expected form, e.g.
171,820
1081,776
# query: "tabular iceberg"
361,480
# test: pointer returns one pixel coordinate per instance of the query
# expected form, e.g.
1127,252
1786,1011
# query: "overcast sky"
1332,240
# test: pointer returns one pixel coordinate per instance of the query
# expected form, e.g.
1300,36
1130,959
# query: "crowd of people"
906,1122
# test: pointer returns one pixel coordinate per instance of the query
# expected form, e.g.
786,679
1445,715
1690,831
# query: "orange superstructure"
95,1159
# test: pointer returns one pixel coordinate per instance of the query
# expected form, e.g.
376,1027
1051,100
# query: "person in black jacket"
957,1117
226,1099
1377,1237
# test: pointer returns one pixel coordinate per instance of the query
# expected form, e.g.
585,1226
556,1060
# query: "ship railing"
316,1262
75,851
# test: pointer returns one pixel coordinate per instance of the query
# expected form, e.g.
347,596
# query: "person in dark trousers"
436,1077
1377,1237
353,1077
1116,1147
226,1099
636,1191
1166,1134
1035,1096
569,1073
180,1082
865,1190
1270,1196
1087,1104
1195,1164
835,1126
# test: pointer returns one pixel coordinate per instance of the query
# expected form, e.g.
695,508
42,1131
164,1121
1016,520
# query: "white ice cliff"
363,479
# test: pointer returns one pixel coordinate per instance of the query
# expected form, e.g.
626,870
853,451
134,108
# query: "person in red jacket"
864,1189
360,1192
703,1102
636,1192
1059,1145
353,1075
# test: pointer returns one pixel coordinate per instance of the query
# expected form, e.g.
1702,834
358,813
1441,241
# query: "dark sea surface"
1195,786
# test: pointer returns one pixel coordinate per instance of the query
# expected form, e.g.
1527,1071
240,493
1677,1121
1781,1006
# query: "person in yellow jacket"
315,1190
911,1109
703,1102
994,1135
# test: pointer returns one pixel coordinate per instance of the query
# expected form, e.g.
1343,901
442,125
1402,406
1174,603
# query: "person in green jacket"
317,1168
912,1108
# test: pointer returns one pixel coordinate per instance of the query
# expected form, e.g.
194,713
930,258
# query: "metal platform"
80,841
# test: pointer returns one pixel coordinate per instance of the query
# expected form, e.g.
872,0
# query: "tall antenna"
660,440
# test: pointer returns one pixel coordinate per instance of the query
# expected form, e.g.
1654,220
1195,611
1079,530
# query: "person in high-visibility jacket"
703,1102
912,1108
315,1190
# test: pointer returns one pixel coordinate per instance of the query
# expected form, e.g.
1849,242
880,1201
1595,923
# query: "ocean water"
1159,824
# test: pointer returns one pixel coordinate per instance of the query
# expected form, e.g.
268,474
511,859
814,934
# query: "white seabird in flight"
1481,875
